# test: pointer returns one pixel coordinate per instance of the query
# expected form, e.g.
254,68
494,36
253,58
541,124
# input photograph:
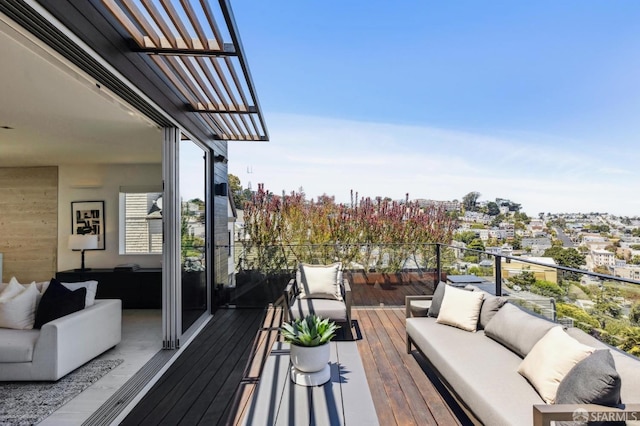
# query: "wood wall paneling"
29,222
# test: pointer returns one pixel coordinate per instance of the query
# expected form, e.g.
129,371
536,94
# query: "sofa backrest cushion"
490,307
516,329
594,380
460,308
436,301
58,301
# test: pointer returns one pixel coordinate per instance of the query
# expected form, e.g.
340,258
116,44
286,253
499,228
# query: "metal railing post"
497,260
438,265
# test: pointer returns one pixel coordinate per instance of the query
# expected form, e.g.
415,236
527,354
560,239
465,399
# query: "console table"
141,289
344,400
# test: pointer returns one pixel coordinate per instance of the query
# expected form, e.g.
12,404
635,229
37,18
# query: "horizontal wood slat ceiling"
198,49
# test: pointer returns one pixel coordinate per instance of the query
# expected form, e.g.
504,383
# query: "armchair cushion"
327,308
319,281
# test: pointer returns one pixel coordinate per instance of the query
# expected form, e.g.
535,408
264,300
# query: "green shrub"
309,331
583,320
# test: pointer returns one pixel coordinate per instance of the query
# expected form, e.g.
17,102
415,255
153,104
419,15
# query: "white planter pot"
310,365
310,359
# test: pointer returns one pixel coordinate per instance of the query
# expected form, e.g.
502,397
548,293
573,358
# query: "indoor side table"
344,400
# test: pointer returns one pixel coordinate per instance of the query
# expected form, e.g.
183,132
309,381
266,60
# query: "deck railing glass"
382,274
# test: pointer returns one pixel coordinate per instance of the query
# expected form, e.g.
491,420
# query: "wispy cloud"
333,156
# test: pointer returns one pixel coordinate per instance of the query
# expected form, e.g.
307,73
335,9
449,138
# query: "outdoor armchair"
320,290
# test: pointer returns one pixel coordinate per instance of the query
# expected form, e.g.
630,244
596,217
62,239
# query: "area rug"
28,403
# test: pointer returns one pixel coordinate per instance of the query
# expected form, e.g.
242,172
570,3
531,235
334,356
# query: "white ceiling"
59,116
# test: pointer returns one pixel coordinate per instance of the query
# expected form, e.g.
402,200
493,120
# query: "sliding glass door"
193,231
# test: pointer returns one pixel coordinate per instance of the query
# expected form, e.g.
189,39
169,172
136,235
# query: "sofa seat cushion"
482,372
326,308
17,345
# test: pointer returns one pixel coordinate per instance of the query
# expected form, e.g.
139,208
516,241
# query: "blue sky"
538,102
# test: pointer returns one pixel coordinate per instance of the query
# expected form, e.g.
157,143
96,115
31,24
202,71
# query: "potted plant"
309,351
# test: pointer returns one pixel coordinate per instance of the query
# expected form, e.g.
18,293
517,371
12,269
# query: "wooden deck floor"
199,387
212,382
402,392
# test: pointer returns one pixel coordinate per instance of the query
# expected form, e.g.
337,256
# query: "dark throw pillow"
594,380
58,301
438,295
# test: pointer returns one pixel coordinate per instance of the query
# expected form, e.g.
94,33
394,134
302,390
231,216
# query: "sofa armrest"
544,414
70,341
409,299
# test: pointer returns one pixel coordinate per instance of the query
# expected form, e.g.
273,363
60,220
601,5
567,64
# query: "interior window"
140,222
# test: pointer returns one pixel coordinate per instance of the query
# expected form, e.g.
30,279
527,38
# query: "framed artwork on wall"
87,218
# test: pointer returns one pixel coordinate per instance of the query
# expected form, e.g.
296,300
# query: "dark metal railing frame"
498,267
497,258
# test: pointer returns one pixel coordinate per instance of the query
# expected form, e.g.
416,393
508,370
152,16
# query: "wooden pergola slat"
177,36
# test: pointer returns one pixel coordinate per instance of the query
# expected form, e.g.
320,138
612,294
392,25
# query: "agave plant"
309,331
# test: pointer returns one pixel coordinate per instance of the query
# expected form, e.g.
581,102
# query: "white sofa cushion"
11,289
17,345
18,306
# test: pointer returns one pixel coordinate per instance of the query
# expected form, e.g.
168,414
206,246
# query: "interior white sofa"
481,372
61,345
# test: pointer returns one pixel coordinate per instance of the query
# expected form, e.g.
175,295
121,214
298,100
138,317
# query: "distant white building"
630,272
508,228
603,258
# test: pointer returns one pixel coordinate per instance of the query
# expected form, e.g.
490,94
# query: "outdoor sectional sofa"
62,345
481,372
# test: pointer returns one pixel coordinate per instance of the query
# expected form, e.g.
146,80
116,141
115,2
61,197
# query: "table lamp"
83,242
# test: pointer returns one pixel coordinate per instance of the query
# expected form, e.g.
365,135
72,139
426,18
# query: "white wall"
101,183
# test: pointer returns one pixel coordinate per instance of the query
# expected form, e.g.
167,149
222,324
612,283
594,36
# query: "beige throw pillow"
19,310
550,360
460,308
12,289
319,281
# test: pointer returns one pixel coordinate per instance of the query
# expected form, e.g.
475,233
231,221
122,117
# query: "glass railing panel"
381,274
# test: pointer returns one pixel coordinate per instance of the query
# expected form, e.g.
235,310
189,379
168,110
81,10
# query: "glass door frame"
171,255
